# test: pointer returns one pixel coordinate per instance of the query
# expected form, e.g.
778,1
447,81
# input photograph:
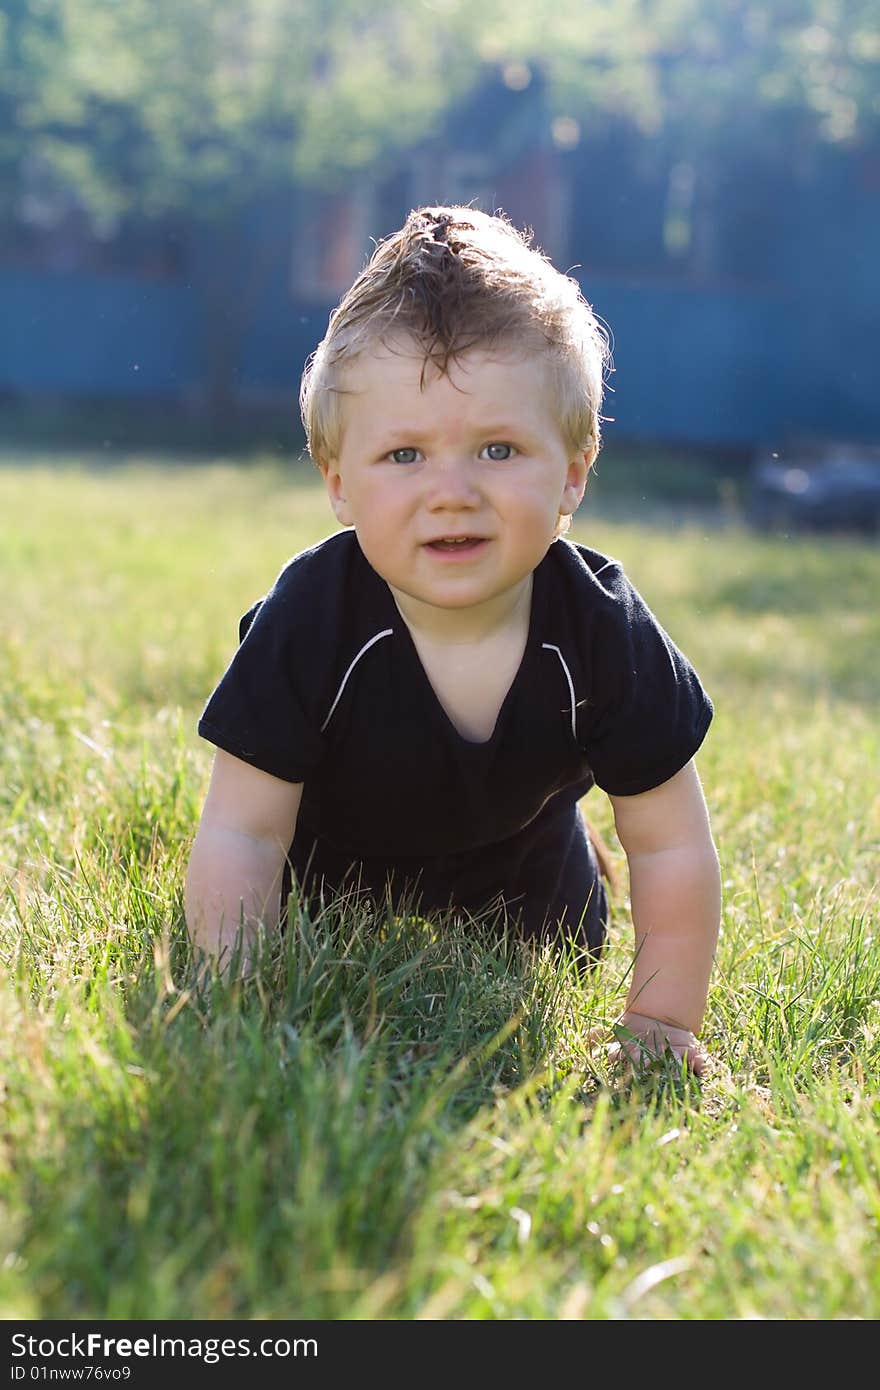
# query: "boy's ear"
576,482
336,492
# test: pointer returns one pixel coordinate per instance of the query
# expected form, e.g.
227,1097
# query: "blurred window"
330,242
49,229
755,210
619,195
637,209
156,253
335,233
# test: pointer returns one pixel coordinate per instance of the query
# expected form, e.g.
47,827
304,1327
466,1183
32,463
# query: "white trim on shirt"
388,632
549,647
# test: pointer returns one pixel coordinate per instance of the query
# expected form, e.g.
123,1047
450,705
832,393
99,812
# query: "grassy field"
390,1121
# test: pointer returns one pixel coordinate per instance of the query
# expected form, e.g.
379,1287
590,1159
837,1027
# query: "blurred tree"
200,107
697,66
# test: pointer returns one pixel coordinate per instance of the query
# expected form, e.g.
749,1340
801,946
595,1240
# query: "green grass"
392,1121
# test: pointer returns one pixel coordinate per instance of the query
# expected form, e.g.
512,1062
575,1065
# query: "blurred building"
742,297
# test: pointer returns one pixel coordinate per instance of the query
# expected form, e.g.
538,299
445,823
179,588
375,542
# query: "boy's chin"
457,597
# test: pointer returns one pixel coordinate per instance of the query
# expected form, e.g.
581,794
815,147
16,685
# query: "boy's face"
454,490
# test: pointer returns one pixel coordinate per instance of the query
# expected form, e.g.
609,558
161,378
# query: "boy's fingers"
696,1059
642,1057
654,1040
642,1049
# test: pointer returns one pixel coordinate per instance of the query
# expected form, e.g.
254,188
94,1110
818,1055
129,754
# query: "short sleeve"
259,710
647,713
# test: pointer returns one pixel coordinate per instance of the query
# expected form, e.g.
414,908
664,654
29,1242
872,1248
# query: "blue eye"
498,453
403,455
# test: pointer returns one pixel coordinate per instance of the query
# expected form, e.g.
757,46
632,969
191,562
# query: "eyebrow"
389,437
494,431
504,428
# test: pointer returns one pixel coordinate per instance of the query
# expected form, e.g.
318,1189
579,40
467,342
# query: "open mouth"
457,543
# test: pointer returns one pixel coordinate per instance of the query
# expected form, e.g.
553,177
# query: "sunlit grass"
393,1120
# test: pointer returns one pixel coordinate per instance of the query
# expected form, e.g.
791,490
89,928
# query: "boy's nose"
451,483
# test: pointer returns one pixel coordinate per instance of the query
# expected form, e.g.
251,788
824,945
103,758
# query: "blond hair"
455,279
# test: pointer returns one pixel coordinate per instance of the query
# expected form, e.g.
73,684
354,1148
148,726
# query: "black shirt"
327,689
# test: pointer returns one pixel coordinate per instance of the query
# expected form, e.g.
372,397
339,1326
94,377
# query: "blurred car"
833,488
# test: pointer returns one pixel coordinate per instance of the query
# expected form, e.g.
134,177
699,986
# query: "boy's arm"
675,892
233,880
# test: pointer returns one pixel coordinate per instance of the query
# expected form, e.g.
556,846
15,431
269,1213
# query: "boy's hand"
644,1041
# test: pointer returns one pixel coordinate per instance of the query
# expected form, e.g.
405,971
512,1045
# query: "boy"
421,700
